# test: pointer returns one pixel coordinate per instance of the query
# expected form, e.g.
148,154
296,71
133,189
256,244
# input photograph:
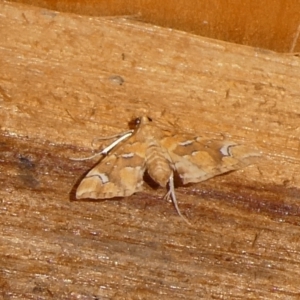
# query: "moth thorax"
158,164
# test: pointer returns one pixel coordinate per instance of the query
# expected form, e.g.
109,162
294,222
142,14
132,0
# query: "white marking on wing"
127,155
103,178
186,143
225,150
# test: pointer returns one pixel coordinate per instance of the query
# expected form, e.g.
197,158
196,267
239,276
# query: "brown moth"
149,149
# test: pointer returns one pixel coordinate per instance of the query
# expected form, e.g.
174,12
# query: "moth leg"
171,194
122,137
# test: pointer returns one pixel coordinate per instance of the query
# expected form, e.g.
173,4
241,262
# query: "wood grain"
269,24
66,80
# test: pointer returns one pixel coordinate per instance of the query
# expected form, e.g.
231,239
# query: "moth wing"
119,174
197,159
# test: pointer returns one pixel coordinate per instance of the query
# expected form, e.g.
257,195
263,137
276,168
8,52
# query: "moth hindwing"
147,148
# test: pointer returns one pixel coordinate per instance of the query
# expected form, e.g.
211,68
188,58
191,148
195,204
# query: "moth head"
142,121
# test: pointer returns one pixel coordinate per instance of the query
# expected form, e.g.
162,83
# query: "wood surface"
67,79
268,24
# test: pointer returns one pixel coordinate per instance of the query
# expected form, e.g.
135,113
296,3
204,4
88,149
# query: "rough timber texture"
268,24
66,80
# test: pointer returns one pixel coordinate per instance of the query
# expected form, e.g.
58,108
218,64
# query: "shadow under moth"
147,148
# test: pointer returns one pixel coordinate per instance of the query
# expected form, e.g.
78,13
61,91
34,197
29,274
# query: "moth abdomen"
158,165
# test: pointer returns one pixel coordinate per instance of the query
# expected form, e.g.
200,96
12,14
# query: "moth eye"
137,121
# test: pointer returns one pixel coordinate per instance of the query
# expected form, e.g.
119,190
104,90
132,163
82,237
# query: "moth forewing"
119,174
196,159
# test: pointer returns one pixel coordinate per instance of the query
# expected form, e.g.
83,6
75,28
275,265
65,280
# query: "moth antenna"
105,151
174,200
86,158
112,136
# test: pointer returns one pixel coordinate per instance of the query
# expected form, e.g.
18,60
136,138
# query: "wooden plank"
269,24
66,80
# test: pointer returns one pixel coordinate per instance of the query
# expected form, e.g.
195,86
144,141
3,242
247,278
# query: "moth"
162,155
